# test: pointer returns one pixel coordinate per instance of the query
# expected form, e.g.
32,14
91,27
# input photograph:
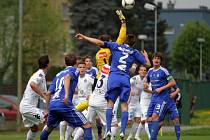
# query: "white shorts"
134,112
144,109
31,115
101,112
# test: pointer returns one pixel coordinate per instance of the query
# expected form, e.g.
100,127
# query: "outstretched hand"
79,36
120,14
145,53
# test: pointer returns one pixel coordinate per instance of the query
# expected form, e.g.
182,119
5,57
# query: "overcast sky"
187,3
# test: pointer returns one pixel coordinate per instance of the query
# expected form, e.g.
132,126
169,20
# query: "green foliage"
8,36
42,32
186,49
94,17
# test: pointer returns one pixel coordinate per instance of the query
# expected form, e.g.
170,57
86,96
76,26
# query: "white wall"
186,4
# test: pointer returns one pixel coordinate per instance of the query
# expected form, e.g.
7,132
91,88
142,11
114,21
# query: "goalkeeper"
103,55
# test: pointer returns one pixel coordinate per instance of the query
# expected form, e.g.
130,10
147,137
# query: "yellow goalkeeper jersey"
103,55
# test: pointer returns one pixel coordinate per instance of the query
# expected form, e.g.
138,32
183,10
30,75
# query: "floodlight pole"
19,81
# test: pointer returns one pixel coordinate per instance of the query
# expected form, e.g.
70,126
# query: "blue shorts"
158,107
118,85
73,117
171,111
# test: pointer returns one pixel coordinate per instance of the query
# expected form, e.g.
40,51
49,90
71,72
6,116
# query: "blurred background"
180,29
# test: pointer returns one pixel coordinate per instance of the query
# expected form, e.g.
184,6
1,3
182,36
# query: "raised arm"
147,64
122,33
95,41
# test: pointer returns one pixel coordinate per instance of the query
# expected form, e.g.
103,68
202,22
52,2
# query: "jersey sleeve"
132,80
167,75
37,79
122,35
110,45
52,86
140,57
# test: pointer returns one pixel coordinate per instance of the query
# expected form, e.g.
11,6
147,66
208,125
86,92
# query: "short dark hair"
70,59
105,37
43,61
130,40
81,62
89,57
158,54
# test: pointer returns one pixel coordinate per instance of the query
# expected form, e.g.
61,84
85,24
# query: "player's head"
142,71
157,59
70,59
105,37
82,67
88,61
78,59
130,40
43,62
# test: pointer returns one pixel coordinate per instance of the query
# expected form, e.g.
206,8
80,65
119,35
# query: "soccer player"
161,82
144,104
36,88
123,56
138,102
60,104
92,71
104,54
172,111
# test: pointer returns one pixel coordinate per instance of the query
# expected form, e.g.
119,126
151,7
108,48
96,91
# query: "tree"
8,36
42,33
186,50
93,17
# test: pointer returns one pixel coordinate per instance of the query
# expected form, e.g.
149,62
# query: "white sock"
30,135
139,130
79,134
62,129
68,133
114,132
133,129
147,130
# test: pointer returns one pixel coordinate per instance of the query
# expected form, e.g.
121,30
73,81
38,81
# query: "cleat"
122,136
108,136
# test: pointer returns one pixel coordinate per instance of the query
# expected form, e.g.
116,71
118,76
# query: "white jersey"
30,97
97,99
84,86
137,85
145,97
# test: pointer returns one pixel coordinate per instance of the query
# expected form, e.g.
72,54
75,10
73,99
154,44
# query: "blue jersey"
57,89
93,71
159,78
123,57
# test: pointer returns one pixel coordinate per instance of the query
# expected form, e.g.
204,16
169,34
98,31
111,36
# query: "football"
128,4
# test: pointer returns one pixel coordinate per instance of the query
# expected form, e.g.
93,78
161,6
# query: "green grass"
194,134
201,117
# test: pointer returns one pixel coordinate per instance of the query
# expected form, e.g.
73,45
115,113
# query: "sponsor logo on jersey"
102,54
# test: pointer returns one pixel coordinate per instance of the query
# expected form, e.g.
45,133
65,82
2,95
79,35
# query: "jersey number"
59,84
100,81
123,66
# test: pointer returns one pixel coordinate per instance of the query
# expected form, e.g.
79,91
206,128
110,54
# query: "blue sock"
108,119
177,131
88,134
99,128
124,119
44,135
154,128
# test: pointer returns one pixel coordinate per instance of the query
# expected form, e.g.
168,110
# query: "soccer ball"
128,4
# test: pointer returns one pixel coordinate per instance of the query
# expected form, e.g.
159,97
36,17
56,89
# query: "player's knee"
176,121
124,106
137,120
48,129
34,128
154,117
110,103
87,125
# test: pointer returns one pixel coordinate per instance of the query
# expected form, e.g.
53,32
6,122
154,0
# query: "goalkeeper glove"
121,16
